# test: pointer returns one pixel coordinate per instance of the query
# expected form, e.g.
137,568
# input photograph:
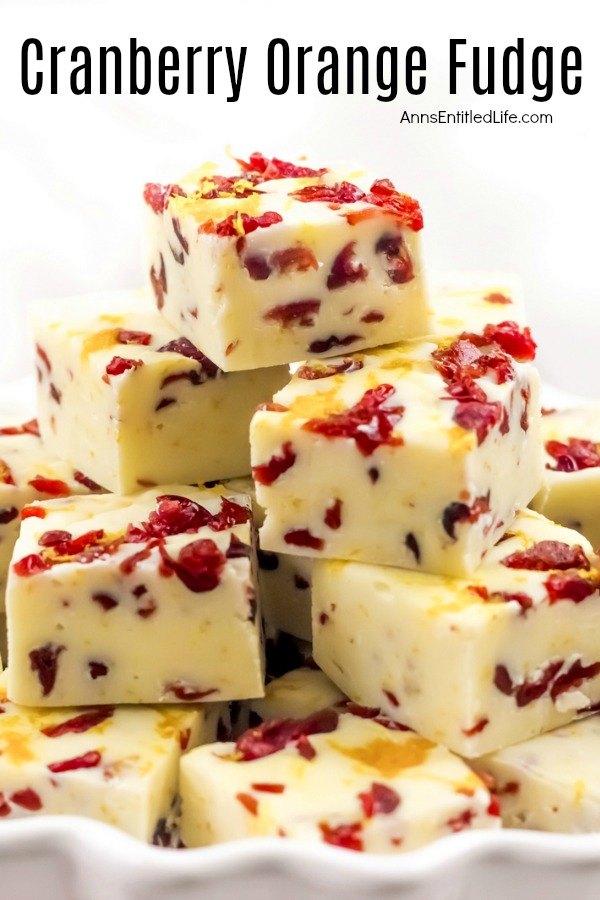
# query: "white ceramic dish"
70,858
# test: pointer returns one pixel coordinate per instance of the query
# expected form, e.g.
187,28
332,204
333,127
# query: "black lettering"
331,69
565,68
235,76
454,62
364,69
391,84
508,54
547,84
31,43
164,67
84,69
116,54
284,47
412,67
134,53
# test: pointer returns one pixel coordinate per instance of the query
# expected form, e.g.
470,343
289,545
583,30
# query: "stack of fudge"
299,553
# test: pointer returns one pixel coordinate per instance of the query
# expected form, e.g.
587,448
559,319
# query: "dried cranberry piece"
398,267
237,549
258,267
249,803
496,297
188,693
271,169
198,566
182,240
30,427
230,514
569,586
269,472
82,479
27,799
346,269
333,515
33,564
184,347
275,735
343,192
478,417
175,515
35,512
8,514
238,224
372,316
268,788
477,728
44,662
460,822
157,195
456,512
80,723
5,809
300,583
379,800
6,476
412,544
43,356
346,836
574,677
326,370
524,600
327,344
97,670
509,336
53,487
106,601
267,561
300,312
528,691
368,423
573,456
546,555
119,365
158,281
302,537
294,259
88,760
133,337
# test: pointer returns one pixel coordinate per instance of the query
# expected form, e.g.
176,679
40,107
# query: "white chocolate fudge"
570,493
122,396
400,455
551,782
284,580
342,777
470,301
273,262
476,663
295,695
117,765
144,599
29,472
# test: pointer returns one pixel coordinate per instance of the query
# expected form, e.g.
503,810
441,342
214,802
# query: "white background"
523,198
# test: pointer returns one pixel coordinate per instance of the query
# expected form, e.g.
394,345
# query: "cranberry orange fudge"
295,695
272,261
462,301
476,663
551,782
117,765
145,599
346,777
570,493
125,398
284,581
401,455
28,472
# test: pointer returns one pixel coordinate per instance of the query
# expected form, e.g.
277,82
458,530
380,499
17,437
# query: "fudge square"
570,493
551,782
124,398
29,472
343,776
472,300
117,765
415,455
477,663
146,599
272,261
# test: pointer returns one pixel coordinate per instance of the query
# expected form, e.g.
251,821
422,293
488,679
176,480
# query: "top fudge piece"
401,455
570,493
273,261
122,396
29,472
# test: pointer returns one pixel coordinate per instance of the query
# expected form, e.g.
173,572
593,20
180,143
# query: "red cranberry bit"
26,799
326,370
270,169
43,356
343,192
162,404
412,544
379,800
182,240
333,515
44,662
106,601
78,724
30,427
272,407
398,264
323,618
460,822
574,678
157,196
230,514
249,802
207,368
546,555
119,365
6,476
573,456
175,515
305,748
267,561
300,583
55,393
294,259
528,691
158,280
133,337
300,312
302,537
198,566
8,514
82,479
478,417
509,336
368,423
392,698
184,738
33,512
404,208
237,549
372,316
494,808
257,267
347,836
456,513
327,344
30,565
496,297
346,269
97,670
187,693
524,600
569,586
238,223
269,472
477,728
89,760
129,565
144,612
5,809
268,788
270,737
53,487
